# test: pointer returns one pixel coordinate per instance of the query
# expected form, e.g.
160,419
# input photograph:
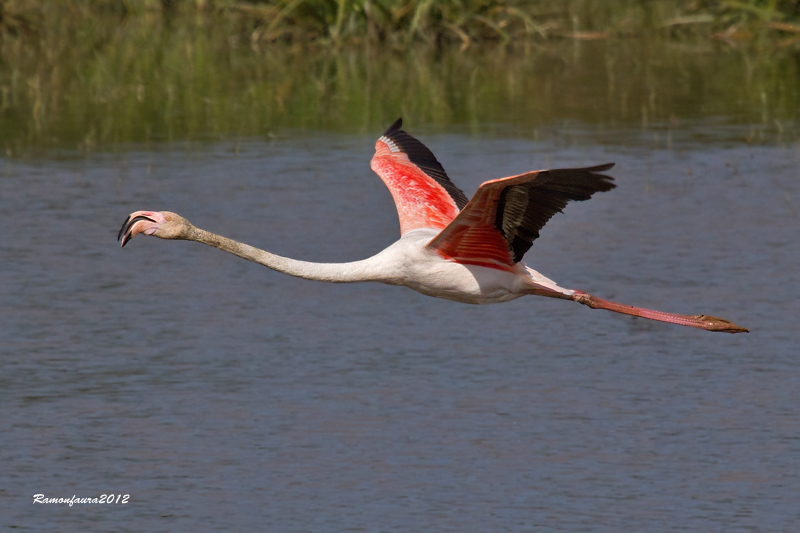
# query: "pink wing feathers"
424,195
500,223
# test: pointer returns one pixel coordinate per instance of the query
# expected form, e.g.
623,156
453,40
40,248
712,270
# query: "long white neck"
365,270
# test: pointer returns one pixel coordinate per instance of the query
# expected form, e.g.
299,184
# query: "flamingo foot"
706,322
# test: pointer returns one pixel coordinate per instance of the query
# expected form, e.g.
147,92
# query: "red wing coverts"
500,223
424,195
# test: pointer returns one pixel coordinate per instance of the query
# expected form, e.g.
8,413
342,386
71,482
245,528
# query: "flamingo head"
162,224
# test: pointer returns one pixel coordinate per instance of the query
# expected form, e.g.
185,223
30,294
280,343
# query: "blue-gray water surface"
221,396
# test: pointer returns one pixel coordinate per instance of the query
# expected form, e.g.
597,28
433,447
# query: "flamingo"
450,247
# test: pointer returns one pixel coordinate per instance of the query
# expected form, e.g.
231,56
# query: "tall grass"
141,74
465,22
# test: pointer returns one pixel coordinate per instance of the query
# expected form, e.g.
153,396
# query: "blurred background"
83,74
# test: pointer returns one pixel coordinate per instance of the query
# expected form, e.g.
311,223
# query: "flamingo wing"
423,194
500,223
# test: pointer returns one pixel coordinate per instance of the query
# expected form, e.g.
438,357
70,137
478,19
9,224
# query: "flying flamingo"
449,247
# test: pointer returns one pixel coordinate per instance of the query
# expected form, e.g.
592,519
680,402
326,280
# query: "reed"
465,22
132,72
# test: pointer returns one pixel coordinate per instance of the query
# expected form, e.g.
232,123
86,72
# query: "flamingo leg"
710,323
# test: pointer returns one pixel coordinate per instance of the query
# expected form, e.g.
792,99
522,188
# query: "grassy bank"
463,22
128,72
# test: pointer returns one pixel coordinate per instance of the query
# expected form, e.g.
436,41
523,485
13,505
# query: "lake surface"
223,396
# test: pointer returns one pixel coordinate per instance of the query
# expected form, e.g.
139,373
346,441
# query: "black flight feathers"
522,210
423,158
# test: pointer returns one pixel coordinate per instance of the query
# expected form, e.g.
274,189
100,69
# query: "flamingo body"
469,251
415,265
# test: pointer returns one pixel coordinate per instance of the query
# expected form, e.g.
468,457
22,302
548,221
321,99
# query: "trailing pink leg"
710,323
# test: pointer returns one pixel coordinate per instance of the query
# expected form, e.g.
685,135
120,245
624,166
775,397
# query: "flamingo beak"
130,229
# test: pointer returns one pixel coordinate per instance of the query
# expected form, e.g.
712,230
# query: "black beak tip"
122,229
126,226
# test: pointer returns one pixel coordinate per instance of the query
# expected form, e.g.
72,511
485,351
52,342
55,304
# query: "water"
222,396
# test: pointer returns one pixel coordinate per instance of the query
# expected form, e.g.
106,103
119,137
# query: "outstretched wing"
423,194
500,223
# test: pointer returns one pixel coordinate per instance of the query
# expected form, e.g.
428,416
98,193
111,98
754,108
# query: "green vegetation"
466,22
94,73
